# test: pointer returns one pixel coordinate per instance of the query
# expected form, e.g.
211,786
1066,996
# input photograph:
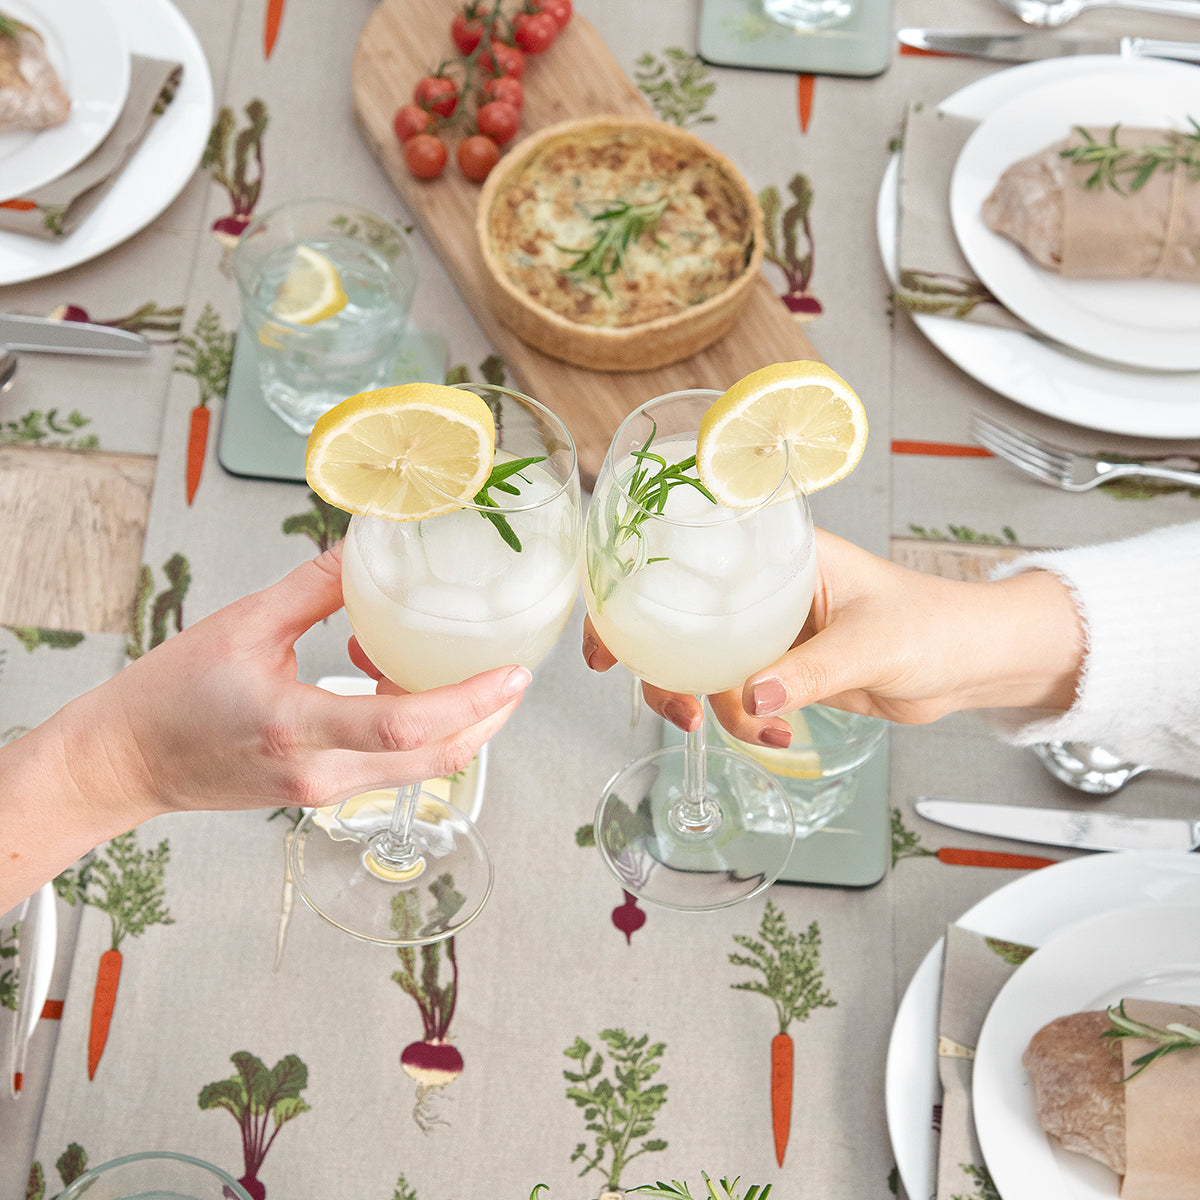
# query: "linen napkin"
934,277
57,208
974,969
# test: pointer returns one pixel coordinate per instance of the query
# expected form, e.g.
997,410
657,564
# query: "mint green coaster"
254,442
736,33
855,848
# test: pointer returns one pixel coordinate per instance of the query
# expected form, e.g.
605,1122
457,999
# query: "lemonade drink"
304,370
697,600
435,601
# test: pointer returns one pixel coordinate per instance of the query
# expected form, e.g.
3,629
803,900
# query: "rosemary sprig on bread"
1128,168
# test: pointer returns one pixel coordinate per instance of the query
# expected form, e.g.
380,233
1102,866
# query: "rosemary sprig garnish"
620,225
1172,1037
499,480
10,27
1136,164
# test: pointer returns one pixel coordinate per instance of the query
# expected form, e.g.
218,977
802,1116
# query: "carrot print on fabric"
271,22
792,979
805,87
207,355
127,883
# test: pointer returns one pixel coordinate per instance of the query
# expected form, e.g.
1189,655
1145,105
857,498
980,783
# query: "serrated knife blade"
1074,828
1032,47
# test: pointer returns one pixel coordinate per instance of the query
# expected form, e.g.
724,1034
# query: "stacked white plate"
1122,356
1107,926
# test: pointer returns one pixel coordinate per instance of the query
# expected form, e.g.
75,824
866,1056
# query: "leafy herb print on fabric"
37,428
323,524
403,1191
905,843
33,636
792,979
234,159
629,916
963,533
126,883
938,294
207,355
790,244
491,368
147,319
261,1101
979,1175
10,949
71,1163
433,1062
618,1111
1011,952
677,85
725,1189
149,628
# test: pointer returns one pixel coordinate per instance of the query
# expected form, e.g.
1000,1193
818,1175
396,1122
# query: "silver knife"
1077,828
51,336
38,942
1029,47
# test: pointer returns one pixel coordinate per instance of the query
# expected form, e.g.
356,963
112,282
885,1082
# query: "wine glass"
692,597
433,602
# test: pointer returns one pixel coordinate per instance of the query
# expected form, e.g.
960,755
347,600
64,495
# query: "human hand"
890,642
215,718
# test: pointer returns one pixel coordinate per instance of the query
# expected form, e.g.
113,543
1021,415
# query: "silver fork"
1060,467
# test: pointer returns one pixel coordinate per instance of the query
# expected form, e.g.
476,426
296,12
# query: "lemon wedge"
404,453
312,290
800,760
803,406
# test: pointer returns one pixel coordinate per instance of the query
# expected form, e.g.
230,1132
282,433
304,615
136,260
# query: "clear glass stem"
393,847
696,812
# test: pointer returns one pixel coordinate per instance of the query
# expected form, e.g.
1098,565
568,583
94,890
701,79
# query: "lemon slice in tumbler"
312,290
799,761
803,405
404,453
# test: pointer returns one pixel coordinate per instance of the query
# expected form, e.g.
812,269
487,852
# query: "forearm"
47,819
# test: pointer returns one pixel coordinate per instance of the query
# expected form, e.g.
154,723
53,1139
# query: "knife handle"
1142,47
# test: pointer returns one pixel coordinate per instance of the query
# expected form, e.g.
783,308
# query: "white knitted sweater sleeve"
1139,693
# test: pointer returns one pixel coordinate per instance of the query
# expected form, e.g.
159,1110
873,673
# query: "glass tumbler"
307,366
155,1175
808,15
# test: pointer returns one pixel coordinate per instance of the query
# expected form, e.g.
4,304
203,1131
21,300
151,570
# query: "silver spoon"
8,368
1052,13
1090,769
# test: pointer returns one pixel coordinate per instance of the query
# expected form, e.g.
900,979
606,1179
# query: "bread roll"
1077,1086
32,96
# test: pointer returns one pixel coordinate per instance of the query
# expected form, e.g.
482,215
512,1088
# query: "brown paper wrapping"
1154,231
1162,1111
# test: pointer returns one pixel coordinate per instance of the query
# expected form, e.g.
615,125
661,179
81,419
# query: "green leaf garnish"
1172,1037
620,225
499,480
1127,169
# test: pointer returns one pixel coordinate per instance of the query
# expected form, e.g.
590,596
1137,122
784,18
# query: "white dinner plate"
88,48
159,168
1039,374
1149,323
1029,910
1151,952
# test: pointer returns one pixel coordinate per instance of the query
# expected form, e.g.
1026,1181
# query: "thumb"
304,596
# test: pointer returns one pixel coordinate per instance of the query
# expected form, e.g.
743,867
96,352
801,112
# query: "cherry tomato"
425,155
409,120
534,32
506,88
560,10
466,32
477,155
436,94
502,59
498,121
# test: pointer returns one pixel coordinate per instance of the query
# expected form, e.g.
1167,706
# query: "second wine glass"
693,597
431,603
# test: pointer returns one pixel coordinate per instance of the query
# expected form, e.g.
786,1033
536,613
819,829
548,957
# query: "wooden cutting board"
578,77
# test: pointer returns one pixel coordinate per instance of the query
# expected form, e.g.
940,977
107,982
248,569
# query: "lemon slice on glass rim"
803,406
405,453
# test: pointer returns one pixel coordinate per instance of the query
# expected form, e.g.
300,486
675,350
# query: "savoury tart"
618,243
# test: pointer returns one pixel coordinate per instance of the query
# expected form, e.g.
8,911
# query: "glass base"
341,881
656,860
